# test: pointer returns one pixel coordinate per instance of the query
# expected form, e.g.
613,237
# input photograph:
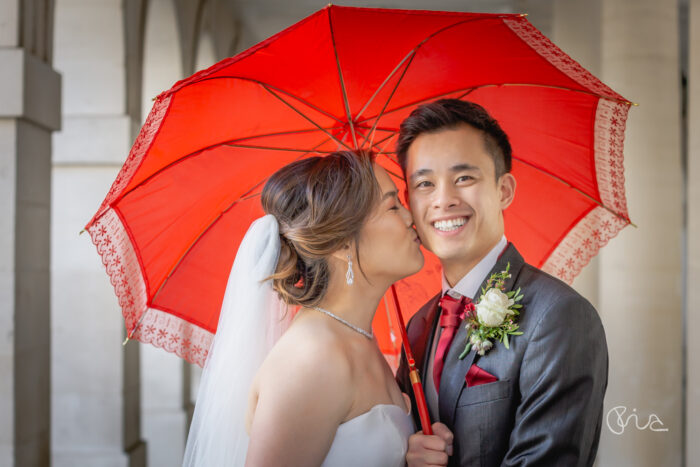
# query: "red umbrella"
346,77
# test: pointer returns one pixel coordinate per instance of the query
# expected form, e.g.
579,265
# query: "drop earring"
349,276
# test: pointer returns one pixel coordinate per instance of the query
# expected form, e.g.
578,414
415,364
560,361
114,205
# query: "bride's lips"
416,238
449,226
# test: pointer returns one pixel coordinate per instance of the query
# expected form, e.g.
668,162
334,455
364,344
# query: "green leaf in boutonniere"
494,317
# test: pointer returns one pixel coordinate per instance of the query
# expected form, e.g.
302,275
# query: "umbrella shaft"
420,402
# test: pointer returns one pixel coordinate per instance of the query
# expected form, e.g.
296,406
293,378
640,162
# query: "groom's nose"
445,196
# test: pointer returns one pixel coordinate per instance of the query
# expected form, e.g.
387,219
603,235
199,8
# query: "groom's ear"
506,188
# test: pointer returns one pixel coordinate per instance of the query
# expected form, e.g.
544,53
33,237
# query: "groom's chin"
446,252
448,248
456,249
452,257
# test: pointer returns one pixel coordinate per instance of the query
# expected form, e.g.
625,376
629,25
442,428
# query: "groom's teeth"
450,224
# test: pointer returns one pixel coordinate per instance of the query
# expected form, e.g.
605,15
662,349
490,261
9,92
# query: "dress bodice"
378,437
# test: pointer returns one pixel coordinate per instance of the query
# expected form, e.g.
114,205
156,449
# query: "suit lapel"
421,350
452,379
455,370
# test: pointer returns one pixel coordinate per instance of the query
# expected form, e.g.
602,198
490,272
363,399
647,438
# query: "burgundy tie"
452,314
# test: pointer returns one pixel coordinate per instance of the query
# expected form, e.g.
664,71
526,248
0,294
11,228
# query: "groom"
538,402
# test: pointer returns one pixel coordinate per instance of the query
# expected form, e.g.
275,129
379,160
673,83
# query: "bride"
316,391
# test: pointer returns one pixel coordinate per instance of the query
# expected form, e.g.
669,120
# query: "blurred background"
77,78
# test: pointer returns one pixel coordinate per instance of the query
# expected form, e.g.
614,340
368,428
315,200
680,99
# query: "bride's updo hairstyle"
321,203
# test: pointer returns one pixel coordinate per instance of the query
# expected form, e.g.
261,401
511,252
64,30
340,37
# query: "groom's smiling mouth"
451,225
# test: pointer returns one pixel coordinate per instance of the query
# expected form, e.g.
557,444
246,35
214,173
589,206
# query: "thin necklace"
368,335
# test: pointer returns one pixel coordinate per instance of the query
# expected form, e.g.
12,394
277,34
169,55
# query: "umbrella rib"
247,146
413,55
283,91
387,141
420,44
473,88
578,190
394,161
330,135
386,80
382,113
393,91
561,88
215,220
431,98
392,172
426,39
224,143
277,133
342,82
391,134
376,145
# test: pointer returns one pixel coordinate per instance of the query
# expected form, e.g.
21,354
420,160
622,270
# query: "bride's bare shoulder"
310,351
303,392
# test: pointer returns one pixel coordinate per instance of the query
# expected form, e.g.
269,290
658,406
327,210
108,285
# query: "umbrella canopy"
169,228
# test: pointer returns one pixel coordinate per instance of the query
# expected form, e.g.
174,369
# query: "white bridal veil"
252,319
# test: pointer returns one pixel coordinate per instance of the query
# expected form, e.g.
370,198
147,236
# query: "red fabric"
476,376
451,316
190,187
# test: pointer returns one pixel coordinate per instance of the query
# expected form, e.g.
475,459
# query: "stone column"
96,391
164,418
692,414
576,29
640,270
30,111
208,32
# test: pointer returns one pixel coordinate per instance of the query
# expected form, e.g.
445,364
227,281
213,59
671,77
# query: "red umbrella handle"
412,370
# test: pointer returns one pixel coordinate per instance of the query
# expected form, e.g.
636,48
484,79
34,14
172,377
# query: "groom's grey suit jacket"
546,408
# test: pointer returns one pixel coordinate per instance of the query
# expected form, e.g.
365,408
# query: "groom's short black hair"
448,113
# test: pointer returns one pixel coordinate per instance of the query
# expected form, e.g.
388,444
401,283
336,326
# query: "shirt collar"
468,286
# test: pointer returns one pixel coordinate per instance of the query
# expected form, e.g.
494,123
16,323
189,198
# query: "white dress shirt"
468,286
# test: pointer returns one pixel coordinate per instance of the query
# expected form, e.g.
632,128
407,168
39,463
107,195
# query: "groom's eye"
465,178
423,184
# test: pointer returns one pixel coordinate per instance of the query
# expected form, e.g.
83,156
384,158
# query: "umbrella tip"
522,15
82,232
634,104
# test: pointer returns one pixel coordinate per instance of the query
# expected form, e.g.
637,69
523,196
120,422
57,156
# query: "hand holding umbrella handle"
413,371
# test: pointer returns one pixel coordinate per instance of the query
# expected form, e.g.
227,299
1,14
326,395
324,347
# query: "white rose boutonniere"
493,308
494,316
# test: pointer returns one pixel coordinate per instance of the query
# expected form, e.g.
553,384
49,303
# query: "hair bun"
320,203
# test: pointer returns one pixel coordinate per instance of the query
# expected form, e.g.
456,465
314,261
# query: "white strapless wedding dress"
375,438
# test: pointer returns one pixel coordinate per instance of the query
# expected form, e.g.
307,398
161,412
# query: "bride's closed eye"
396,204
